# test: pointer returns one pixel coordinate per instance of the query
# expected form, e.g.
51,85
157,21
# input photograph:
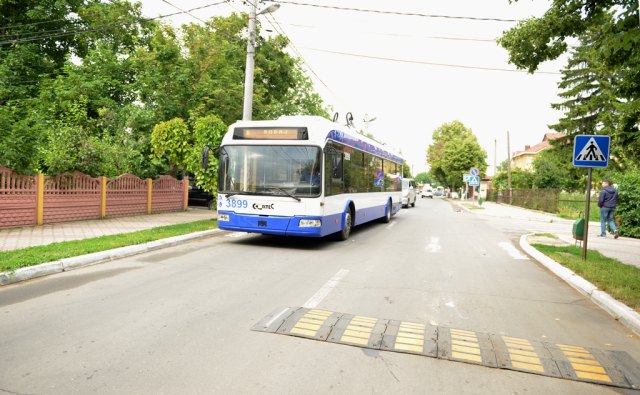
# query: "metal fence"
553,200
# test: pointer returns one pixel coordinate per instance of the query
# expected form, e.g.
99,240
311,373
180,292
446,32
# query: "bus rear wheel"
387,218
346,231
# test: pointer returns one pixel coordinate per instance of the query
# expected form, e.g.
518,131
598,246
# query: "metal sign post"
590,152
586,217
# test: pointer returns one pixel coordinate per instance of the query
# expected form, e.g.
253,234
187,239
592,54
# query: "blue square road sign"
474,181
591,151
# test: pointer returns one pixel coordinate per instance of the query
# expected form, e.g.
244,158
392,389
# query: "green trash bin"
480,201
578,229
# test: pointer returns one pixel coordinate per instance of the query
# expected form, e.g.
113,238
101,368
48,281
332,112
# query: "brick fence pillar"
149,191
40,200
103,204
185,183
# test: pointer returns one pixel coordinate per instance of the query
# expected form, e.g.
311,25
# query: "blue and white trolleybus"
304,176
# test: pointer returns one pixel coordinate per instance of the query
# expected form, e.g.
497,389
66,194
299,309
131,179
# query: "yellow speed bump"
608,367
524,355
465,346
411,337
359,331
312,323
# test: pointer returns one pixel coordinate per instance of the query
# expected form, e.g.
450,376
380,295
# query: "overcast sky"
409,100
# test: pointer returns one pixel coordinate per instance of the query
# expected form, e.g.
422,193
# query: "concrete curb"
623,313
63,265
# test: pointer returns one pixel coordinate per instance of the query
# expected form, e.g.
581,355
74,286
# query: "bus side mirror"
205,157
336,167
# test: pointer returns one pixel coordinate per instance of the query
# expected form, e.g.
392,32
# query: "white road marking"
513,251
276,317
324,291
433,245
391,224
237,234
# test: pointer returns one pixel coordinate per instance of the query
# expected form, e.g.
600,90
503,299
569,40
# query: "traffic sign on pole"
591,151
474,171
465,177
474,181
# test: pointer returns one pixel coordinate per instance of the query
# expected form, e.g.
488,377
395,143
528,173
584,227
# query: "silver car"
408,192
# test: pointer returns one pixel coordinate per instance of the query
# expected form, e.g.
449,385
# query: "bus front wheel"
346,231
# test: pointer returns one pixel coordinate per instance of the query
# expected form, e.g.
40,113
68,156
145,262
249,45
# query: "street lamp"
251,51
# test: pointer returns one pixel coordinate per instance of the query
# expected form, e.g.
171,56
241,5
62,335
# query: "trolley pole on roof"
251,55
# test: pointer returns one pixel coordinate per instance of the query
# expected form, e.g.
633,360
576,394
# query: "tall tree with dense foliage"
455,149
96,113
611,33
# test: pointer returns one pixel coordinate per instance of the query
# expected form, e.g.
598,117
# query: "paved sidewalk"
508,211
29,236
624,249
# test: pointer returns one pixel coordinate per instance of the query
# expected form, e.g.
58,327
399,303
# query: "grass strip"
610,275
549,235
16,259
472,207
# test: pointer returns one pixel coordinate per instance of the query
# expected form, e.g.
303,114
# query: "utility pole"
509,164
495,154
251,54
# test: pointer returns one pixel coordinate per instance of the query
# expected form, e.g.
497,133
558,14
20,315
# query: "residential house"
524,159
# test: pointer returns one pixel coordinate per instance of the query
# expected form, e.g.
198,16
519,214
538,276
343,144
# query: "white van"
408,192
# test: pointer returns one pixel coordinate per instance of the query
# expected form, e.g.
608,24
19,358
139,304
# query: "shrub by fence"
35,200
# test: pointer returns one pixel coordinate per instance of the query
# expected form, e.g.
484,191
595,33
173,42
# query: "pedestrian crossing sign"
591,151
474,181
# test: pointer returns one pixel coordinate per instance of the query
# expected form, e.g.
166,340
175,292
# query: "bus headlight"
310,223
223,217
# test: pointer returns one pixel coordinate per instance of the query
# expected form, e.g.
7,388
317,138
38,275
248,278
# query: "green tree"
97,113
424,178
520,179
455,149
183,145
36,52
610,29
406,170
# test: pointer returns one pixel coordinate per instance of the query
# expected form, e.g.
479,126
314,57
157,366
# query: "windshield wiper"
286,193
240,193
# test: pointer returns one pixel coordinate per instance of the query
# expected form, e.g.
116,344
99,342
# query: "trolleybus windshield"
270,170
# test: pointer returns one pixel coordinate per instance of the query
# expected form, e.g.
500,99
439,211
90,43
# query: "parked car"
198,197
408,192
427,192
439,191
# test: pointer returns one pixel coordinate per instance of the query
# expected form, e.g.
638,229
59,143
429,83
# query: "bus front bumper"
276,225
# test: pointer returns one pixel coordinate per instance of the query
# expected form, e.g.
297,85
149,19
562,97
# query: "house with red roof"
524,159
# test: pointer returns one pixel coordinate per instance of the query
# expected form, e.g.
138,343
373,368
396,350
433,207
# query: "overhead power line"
280,30
399,13
64,33
428,63
397,35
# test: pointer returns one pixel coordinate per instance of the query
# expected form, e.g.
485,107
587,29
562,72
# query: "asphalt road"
177,321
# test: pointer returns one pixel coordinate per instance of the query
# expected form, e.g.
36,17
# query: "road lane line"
433,245
324,291
391,224
513,251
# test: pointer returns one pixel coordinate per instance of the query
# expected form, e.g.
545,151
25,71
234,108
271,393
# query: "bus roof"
320,131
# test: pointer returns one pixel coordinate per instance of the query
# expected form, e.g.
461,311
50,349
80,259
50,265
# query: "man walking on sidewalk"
607,203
